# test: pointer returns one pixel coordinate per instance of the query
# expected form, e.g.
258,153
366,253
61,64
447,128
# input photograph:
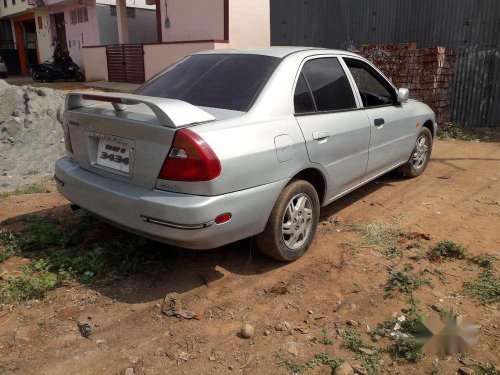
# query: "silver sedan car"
228,144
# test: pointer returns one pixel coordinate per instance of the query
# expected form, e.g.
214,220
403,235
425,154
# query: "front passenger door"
392,136
337,134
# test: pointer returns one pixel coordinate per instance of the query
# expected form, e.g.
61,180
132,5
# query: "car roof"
279,52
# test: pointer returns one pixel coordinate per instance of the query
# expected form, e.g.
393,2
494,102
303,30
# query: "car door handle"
379,122
320,135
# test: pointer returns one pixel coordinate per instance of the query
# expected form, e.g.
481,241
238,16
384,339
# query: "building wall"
44,38
142,28
79,34
193,20
96,65
249,23
158,56
11,10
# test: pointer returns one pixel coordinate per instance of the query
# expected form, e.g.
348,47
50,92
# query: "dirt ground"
457,199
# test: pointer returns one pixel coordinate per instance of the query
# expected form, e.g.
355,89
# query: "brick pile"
427,73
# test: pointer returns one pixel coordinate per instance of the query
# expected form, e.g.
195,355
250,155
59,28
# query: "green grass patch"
486,369
407,348
448,249
74,248
404,281
439,273
26,189
366,353
484,260
403,331
34,282
485,288
8,245
449,131
318,359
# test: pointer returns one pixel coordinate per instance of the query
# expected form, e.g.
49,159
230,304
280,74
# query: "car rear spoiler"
172,113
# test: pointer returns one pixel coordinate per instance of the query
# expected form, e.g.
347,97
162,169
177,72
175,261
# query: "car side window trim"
377,73
354,89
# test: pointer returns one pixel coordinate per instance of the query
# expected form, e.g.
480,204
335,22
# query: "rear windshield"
218,81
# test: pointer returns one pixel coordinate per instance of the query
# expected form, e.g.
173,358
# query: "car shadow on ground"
153,269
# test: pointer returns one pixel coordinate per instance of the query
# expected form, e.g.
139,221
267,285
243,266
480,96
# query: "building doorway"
30,42
60,28
26,41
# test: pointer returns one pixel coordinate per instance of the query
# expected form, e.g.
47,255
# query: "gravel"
31,136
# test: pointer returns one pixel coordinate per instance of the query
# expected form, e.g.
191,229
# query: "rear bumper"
178,219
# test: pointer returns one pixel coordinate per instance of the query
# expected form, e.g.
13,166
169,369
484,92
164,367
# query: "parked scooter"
60,66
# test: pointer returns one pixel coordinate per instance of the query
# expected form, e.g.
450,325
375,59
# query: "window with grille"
130,11
5,3
78,15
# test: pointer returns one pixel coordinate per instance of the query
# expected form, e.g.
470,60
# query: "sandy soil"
229,286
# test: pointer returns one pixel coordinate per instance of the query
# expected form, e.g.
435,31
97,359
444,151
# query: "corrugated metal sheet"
470,26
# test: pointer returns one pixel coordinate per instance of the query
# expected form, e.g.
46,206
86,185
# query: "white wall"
141,29
193,20
44,36
20,6
79,34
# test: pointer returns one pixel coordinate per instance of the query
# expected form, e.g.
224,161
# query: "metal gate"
125,63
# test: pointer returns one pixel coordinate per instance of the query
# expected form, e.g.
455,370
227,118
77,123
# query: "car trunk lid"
125,136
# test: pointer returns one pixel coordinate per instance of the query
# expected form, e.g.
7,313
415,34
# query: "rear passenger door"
392,134
337,134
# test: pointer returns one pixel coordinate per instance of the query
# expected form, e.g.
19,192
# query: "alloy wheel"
420,152
297,221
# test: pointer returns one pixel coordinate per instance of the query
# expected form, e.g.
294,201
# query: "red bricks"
427,73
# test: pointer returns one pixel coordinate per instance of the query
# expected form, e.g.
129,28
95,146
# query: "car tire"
296,211
420,155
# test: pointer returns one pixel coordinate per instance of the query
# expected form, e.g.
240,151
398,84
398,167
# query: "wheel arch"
316,178
429,125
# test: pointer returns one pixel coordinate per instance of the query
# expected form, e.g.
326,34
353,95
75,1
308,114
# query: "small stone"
247,331
466,371
129,371
133,359
376,338
352,323
267,333
359,370
230,367
467,361
284,326
211,358
292,347
100,342
344,369
367,351
184,356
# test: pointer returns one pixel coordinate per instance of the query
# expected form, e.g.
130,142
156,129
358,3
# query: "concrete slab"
112,86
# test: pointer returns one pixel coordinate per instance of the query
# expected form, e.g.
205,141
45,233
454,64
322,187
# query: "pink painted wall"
249,23
96,65
158,56
79,34
193,20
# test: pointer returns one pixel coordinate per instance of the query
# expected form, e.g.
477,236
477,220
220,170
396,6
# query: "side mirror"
403,95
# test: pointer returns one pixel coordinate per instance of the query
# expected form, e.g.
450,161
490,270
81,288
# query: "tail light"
67,139
190,159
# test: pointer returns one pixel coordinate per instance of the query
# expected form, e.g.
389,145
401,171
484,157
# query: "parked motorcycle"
49,71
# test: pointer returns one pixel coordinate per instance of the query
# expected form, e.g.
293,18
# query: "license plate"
114,155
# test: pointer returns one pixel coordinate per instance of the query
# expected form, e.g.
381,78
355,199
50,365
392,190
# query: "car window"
373,88
329,84
302,98
214,80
